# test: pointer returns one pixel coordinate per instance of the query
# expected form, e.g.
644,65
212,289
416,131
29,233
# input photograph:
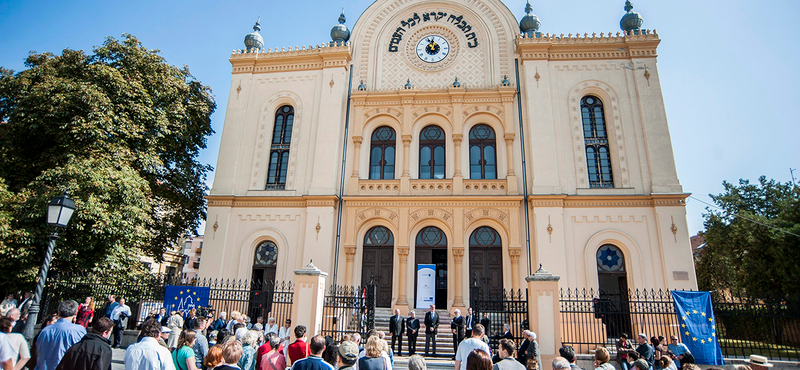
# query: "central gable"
470,39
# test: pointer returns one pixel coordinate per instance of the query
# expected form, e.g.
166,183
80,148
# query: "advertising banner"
426,286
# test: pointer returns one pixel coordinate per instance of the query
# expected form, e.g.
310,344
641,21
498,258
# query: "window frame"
432,145
482,144
383,145
597,144
277,166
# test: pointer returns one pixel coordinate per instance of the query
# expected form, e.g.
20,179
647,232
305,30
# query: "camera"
205,311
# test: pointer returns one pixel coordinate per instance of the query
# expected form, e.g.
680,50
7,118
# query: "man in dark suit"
469,321
412,331
457,327
396,326
487,324
431,329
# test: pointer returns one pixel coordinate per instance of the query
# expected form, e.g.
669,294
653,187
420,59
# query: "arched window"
379,236
381,157
431,153
482,153
279,152
431,237
598,159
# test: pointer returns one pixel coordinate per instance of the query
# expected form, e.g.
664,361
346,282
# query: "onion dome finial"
253,40
529,25
631,21
339,33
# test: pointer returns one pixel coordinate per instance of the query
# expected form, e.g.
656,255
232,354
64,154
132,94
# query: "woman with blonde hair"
601,358
85,313
183,356
374,359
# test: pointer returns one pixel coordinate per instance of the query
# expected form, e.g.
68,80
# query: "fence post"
544,313
309,297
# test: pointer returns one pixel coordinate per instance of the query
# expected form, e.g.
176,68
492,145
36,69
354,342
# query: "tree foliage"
122,130
752,240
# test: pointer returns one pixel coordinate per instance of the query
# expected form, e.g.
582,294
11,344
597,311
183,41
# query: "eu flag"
184,298
698,328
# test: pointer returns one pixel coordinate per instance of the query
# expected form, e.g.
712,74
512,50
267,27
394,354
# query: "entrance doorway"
378,263
431,249
486,263
613,290
262,285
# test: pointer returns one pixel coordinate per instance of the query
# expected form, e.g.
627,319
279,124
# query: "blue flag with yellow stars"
698,328
184,298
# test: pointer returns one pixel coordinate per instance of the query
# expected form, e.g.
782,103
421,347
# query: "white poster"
426,286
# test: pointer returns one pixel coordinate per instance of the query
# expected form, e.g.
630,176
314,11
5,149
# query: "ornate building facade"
451,134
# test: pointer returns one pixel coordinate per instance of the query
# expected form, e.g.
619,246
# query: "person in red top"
299,349
266,347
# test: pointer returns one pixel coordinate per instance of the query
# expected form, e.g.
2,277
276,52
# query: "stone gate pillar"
309,296
544,313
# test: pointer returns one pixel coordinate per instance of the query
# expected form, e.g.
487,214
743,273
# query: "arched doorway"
612,281
264,262
263,279
486,262
378,262
431,249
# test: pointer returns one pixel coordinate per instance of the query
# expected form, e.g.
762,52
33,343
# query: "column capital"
514,253
403,251
457,138
458,254
406,139
350,250
509,137
357,140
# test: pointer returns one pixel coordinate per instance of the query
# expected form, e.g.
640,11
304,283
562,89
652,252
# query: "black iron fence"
348,309
507,307
744,325
146,294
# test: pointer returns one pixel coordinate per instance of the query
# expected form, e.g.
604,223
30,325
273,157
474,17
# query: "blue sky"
729,69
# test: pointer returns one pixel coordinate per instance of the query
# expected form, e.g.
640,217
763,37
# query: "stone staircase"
444,339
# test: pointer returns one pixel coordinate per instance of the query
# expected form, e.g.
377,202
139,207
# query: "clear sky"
730,71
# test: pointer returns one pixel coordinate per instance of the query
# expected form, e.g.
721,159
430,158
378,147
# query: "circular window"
610,259
266,254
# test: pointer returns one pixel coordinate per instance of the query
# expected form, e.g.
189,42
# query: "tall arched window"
598,158
381,157
279,152
431,153
482,153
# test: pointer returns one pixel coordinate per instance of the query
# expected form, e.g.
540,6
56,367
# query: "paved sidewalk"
117,358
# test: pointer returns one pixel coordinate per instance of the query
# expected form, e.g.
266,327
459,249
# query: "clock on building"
432,48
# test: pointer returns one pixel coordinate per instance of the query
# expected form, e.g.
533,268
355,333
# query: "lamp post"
59,211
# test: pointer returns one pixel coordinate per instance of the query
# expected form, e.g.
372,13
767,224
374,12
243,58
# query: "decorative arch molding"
378,213
417,226
477,216
494,18
264,138
421,214
610,100
384,110
247,250
630,249
499,227
446,112
495,110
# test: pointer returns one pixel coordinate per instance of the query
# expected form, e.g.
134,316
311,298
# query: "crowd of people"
73,339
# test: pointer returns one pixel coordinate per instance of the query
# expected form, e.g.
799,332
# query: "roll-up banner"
426,286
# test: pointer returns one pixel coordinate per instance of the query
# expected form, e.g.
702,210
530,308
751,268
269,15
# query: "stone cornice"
278,202
619,46
294,59
582,201
427,201
497,94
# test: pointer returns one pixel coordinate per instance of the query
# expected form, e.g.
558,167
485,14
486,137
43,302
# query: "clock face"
432,49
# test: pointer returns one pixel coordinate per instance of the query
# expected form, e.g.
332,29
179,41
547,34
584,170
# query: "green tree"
752,240
122,130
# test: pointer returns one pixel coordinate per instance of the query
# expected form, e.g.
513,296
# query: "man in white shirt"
148,354
120,316
6,353
470,344
285,333
271,327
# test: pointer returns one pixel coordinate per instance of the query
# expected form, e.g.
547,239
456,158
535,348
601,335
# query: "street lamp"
59,211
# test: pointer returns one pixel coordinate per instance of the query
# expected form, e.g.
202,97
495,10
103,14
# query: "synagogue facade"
450,134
